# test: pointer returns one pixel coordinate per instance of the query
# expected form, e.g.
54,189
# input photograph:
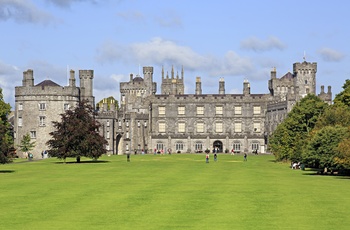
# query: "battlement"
147,70
86,74
305,66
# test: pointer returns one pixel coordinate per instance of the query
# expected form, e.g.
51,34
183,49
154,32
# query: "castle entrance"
117,141
217,145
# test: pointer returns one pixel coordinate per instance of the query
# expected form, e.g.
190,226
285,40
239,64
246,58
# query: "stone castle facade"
170,122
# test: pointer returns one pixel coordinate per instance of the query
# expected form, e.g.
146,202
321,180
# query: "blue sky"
234,40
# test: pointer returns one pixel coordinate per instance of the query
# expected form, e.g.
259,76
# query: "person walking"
215,157
245,157
207,158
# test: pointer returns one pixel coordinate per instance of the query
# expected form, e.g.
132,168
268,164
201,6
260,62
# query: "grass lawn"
170,192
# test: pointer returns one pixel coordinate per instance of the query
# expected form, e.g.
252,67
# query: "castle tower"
28,78
221,86
198,86
304,78
72,78
86,85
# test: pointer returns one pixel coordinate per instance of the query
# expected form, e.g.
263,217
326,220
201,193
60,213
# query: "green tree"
342,158
336,114
321,149
77,134
344,96
109,100
6,139
289,139
26,144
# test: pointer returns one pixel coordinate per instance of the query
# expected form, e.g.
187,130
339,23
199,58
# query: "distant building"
36,106
171,121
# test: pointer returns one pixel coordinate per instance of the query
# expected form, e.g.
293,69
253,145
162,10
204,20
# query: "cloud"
159,52
13,73
170,20
23,11
258,45
330,55
132,16
68,3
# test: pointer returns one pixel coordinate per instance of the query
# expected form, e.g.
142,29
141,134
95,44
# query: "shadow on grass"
318,172
81,162
7,171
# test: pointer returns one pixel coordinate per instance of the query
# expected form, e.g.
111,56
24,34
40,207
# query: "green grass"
170,192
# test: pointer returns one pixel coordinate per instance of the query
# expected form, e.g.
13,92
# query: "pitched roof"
48,83
288,76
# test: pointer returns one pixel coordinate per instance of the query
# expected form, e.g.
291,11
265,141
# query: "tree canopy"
77,134
6,140
288,140
26,144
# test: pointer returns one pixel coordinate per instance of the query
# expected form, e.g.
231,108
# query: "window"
181,127
256,127
179,146
127,135
218,110
238,110
145,124
66,106
120,123
200,110
107,147
20,106
20,121
41,121
218,127
32,134
138,124
161,127
181,110
107,135
127,147
107,123
161,110
127,124
200,127
236,147
256,110
42,106
255,146
238,127
198,146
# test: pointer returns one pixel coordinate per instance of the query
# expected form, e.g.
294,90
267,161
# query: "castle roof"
288,76
138,79
48,83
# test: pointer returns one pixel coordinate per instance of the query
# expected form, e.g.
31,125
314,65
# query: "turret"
72,78
28,78
86,85
305,77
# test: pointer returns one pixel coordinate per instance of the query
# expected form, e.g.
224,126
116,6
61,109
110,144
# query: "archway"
218,146
117,140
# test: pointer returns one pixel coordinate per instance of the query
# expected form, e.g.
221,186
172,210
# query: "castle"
172,121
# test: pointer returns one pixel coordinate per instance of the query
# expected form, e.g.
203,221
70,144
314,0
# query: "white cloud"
169,19
330,55
23,11
159,52
258,45
10,76
68,3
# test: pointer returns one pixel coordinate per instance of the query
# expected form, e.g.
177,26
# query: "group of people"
216,157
